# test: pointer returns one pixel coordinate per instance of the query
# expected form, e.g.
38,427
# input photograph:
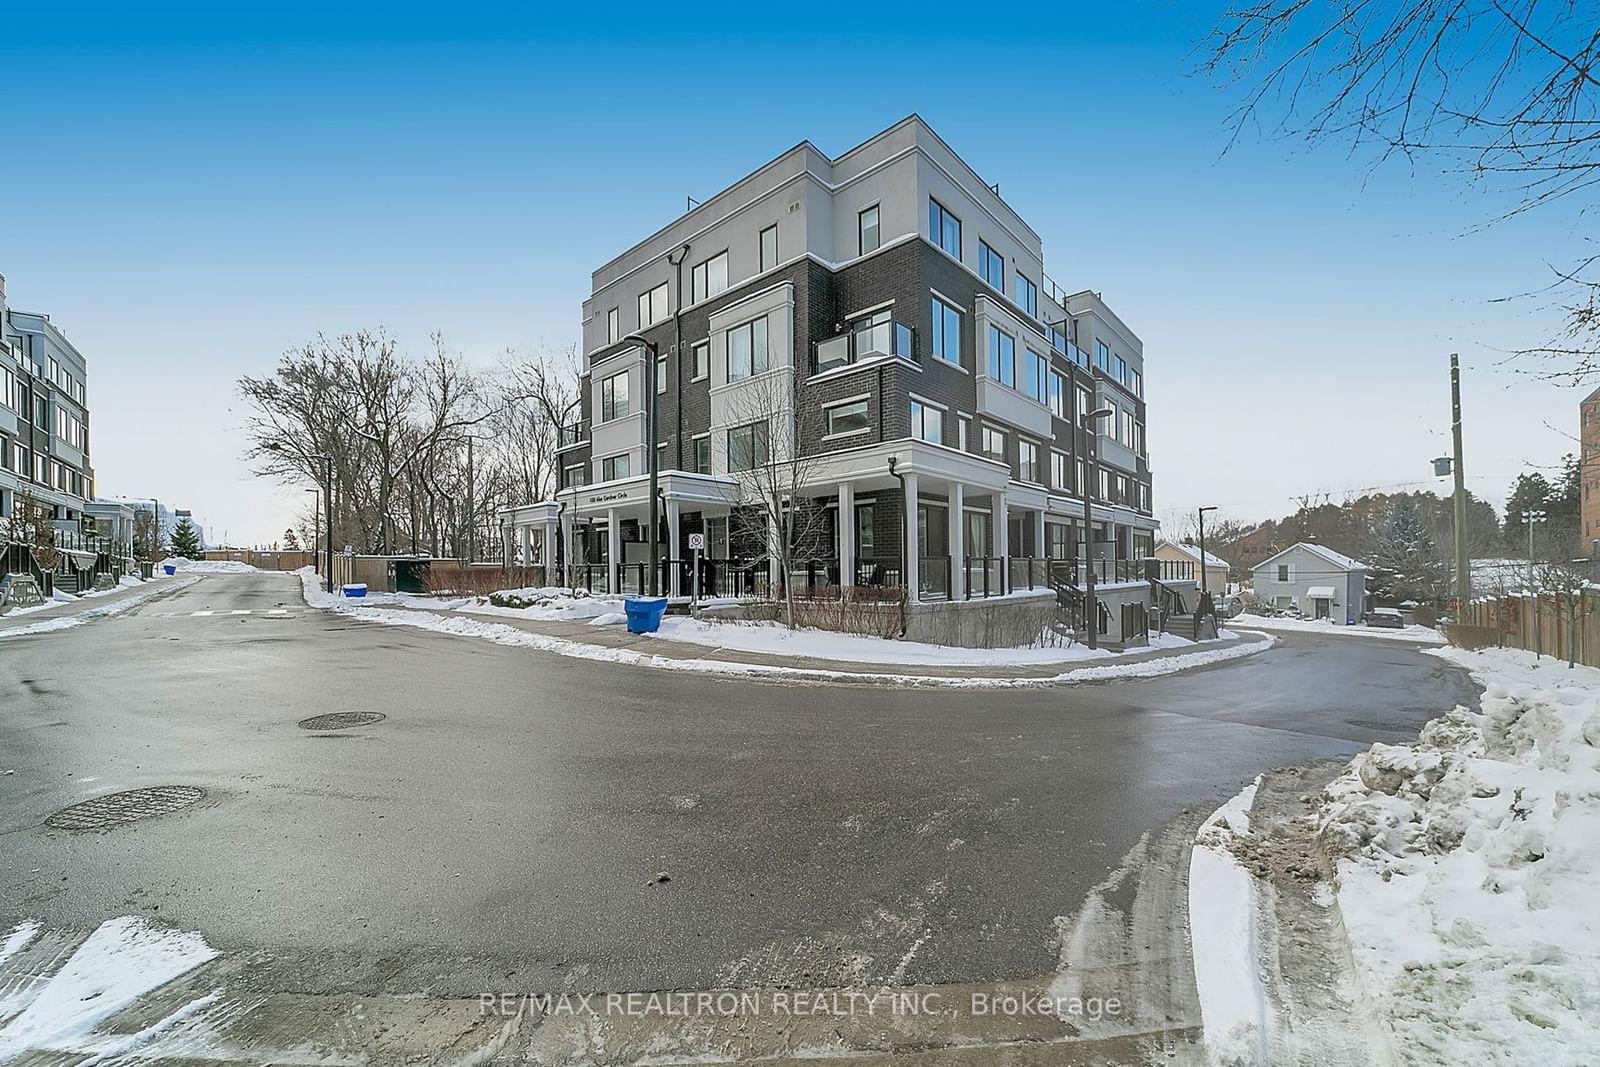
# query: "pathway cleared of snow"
1413,634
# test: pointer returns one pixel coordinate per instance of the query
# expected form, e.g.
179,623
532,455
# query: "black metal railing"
878,571
1027,572
884,339
983,576
812,576
594,577
1169,570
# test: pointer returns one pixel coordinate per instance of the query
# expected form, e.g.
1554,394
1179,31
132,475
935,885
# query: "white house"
1216,567
1315,581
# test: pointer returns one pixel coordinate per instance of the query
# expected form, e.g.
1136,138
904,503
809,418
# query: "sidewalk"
65,614
616,644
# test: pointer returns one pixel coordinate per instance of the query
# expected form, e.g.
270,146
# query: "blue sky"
189,195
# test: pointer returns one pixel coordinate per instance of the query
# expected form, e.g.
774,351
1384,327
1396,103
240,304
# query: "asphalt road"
505,826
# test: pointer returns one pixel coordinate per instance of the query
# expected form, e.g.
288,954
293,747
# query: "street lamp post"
1091,620
1202,513
648,379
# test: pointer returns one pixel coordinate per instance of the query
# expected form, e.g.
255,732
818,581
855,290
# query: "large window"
1037,379
747,349
864,538
1119,369
1059,471
847,418
991,266
867,228
1102,355
653,306
944,229
769,247
1058,395
702,454
701,353
708,278
927,423
994,444
614,397
1027,460
1085,403
661,374
613,325
747,447
1027,295
946,342
1137,384
1002,357
614,467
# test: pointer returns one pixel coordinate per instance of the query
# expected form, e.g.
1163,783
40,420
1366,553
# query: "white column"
613,551
548,556
527,543
1001,518
956,535
674,571
569,543
847,535
908,566
507,542
1038,534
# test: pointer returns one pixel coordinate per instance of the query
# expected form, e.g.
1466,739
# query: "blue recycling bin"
644,613
355,589
169,568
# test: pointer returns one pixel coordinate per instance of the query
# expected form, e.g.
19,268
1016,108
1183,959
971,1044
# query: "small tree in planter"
186,540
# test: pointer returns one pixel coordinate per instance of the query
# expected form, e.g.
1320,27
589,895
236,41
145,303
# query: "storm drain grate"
118,808
341,720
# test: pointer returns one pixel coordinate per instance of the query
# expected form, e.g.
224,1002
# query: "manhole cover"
118,808
341,720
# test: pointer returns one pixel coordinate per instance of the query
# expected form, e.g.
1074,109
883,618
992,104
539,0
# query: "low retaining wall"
999,622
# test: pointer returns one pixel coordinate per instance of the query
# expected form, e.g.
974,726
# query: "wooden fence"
1544,624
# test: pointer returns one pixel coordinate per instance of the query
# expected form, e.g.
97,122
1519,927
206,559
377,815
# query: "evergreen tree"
186,540
1530,492
1406,555
291,542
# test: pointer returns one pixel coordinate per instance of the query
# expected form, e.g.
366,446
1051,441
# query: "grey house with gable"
1315,581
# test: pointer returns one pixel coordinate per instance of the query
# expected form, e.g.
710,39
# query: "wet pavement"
521,822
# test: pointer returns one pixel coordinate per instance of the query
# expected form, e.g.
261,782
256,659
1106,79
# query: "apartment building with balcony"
887,315
44,417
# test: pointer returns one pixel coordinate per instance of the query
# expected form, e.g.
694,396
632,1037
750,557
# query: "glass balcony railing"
575,434
887,338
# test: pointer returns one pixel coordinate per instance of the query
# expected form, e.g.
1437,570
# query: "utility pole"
472,531
1463,574
1531,516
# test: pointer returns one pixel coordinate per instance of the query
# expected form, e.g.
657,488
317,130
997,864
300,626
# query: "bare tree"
32,523
1503,92
774,479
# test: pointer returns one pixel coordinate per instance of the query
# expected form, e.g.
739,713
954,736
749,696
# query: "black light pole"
1202,513
649,380
1091,617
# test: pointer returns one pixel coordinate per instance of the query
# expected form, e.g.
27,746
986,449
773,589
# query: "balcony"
572,436
886,338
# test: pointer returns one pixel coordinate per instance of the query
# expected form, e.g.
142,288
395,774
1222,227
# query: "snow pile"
121,961
549,603
776,639
1225,933
206,566
1467,870
1413,634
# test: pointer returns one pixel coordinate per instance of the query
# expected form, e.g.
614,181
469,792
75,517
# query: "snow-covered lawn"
101,611
458,619
1469,868
1413,633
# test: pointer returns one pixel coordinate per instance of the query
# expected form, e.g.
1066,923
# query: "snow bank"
118,963
206,566
1467,870
1413,634
1225,933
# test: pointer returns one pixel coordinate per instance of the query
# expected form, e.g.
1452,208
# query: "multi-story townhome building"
44,418
889,314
